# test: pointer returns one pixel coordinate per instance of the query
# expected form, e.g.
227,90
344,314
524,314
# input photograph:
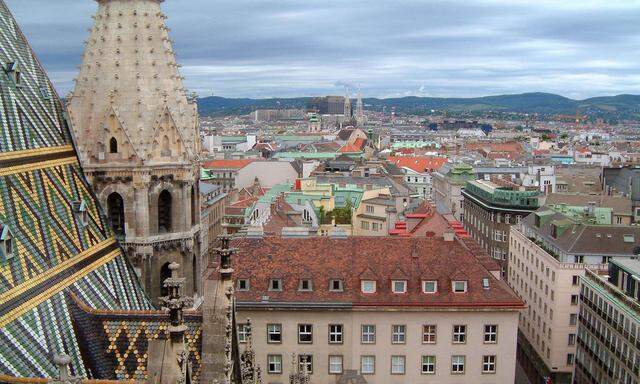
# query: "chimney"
449,235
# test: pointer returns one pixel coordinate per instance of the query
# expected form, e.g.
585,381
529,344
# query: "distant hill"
611,107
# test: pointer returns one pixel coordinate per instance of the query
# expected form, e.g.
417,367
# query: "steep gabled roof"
55,252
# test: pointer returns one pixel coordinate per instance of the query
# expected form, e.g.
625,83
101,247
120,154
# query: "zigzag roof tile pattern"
59,241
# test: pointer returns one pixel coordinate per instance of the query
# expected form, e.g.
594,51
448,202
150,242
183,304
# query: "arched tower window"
194,265
115,209
164,212
165,273
113,145
165,149
194,210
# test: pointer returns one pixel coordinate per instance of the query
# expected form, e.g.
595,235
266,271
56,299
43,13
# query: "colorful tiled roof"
58,247
356,258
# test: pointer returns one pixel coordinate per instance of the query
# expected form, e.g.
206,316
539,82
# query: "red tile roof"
355,258
419,164
356,146
227,164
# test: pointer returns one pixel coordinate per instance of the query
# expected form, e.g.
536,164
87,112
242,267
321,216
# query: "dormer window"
335,285
13,70
429,286
399,286
275,285
368,286
306,285
459,286
6,243
243,284
81,212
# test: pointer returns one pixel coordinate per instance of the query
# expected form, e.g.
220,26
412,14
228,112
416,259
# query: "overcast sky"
264,48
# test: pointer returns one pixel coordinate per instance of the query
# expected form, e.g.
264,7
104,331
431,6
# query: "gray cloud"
262,48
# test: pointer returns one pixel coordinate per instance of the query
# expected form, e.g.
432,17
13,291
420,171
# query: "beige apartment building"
548,254
376,214
395,310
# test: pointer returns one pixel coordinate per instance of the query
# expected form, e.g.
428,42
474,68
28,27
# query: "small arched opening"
194,265
115,210
165,273
194,206
164,212
113,145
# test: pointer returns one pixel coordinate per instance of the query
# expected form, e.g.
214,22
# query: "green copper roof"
503,197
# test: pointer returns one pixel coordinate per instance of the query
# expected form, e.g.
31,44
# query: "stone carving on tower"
136,130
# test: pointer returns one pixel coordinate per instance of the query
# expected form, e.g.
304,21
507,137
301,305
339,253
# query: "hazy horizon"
257,49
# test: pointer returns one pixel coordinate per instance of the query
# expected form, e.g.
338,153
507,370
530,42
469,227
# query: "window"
429,286
164,212
243,333
368,335
275,363
398,365
81,212
398,334
274,333
575,279
457,364
570,358
368,286
369,208
490,333
374,226
243,284
485,283
367,365
459,334
574,299
429,334
572,339
428,365
305,333
335,285
335,364
573,319
115,210
335,333
6,243
364,225
275,285
306,363
489,364
113,145
306,285
459,286
399,286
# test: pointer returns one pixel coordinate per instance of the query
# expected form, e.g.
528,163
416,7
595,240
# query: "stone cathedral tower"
136,131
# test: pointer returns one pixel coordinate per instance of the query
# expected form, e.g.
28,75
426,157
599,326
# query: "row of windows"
375,226
398,364
366,286
336,333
